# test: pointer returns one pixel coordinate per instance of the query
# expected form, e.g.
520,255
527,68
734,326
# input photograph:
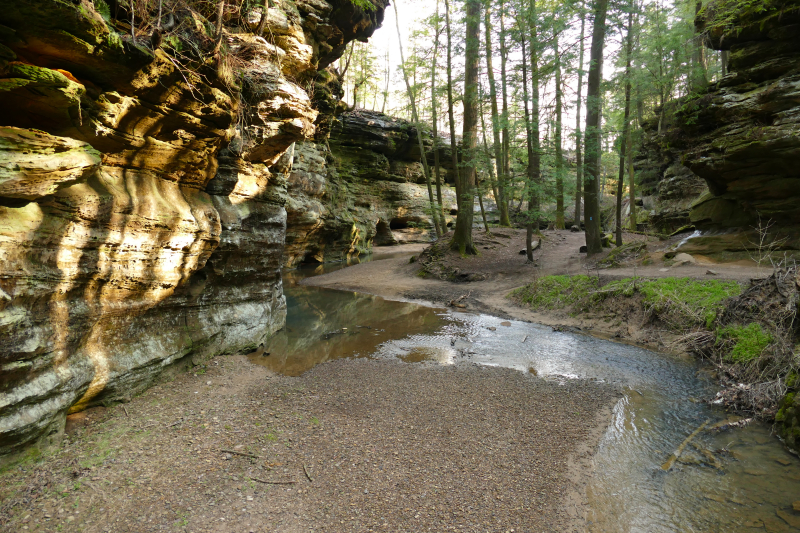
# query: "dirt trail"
505,269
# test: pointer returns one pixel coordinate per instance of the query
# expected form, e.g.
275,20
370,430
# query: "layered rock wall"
366,186
142,194
741,136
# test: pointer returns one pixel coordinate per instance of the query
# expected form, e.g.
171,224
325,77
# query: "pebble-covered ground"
356,445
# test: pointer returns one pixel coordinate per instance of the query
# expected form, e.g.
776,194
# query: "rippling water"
741,480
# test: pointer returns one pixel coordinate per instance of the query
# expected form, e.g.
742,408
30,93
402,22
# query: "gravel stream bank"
389,446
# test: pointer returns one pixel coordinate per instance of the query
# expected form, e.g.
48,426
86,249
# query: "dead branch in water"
677,453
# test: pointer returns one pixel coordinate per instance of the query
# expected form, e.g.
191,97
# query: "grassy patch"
555,292
750,342
692,301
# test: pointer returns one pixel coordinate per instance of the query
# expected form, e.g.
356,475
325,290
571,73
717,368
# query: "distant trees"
557,152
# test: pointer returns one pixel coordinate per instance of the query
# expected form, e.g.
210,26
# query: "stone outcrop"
667,187
741,138
142,194
366,186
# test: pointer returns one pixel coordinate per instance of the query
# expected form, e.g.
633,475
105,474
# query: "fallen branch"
456,302
677,453
243,454
305,470
266,482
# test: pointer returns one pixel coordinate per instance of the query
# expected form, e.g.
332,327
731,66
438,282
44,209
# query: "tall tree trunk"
504,117
435,122
723,58
557,140
529,145
593,134
451,117
415,119
502,205
386,86
578,139
488,159
534,172
462,236
632,182
640,113
626,125
699,67
483,211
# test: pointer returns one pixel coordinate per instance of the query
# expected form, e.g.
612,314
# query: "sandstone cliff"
365,187
740,136
142,190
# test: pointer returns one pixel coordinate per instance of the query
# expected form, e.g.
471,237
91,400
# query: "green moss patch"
694,302
555,292
750,341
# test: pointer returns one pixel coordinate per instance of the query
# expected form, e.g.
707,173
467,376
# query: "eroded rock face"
667,186
142,216
741,137
368,189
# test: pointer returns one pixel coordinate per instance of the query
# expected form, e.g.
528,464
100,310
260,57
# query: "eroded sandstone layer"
741,135
142,192
366,186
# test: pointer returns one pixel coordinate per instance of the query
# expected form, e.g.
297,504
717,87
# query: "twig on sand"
267,482
243,454
175,423
126,411
677,453
305,470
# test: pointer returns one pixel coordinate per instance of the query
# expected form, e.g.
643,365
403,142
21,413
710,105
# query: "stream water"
738,480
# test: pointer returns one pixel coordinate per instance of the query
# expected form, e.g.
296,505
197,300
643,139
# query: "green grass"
698,301
751,340
555,292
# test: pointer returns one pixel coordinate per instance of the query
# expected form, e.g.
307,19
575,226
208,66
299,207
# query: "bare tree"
502,205
462,236
578,140
418,124
593,133
626,125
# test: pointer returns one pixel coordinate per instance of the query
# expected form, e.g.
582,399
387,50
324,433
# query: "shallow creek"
737,480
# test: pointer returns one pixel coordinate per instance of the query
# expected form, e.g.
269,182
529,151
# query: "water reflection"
739,480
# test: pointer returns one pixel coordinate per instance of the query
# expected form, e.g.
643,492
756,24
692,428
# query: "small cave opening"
454,212
398,223
383,234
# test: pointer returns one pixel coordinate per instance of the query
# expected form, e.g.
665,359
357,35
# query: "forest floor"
501,267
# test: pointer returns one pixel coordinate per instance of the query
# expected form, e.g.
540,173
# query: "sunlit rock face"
365,187
741,136
142,217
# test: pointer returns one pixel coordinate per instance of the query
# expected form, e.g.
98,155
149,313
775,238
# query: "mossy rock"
788,420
